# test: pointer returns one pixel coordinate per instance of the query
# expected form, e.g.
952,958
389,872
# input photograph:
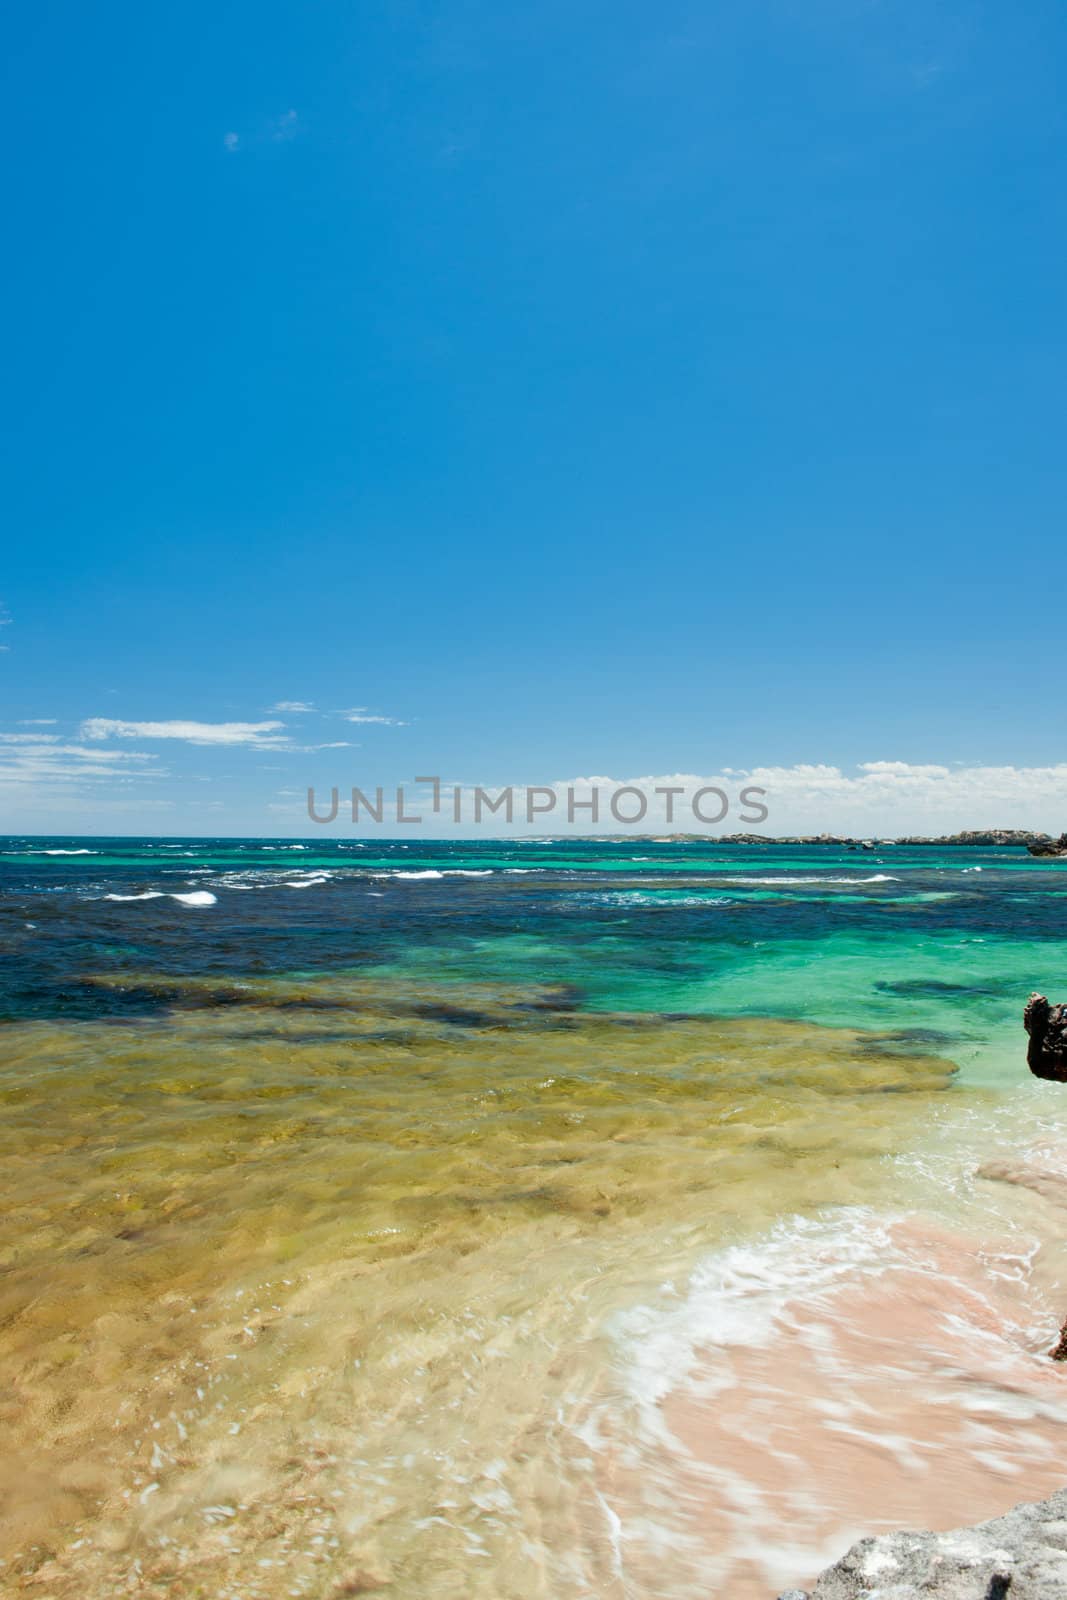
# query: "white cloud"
29,738
37,722
903,769
877,797
924,73
278,130
260,734
880,799
292,705
49,765
361,714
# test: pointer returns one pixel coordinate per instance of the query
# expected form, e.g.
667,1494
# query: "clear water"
349,1188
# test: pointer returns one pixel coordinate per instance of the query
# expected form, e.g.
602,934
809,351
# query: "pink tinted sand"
917,1395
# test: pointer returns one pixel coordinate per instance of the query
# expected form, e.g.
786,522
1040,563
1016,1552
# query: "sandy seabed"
331,1286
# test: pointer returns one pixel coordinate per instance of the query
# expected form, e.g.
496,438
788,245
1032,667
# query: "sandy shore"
902,1381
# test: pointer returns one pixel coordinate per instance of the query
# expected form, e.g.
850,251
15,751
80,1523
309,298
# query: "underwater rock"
1020,1556
1046,1055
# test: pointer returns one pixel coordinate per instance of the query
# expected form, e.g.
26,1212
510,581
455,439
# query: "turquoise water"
942,944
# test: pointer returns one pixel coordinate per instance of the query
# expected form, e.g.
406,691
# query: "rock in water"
1049,847
1047,1026
1020,1556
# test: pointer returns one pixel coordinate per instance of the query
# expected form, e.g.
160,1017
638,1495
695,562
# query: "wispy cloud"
37,722
293,705
260,734
49,765
278,130
285,127
924,73
361,714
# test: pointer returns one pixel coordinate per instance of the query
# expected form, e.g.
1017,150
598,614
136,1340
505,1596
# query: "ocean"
514,1219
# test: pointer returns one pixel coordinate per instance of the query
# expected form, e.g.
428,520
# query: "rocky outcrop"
1049,847
1020,1556
979,838
1046,1054
984,838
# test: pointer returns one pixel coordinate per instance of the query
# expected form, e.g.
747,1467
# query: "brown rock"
1046,1055
1049,847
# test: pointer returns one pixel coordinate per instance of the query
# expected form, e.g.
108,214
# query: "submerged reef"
291,1262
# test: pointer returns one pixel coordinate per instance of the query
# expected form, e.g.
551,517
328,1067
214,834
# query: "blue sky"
581,389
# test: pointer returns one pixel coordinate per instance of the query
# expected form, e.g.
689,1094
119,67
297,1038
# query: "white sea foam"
652,899
248,878
432,872
787,1284
428,874
773,883
63,852
193,897
734,1296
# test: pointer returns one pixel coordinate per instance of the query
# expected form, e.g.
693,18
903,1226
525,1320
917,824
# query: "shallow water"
348,1209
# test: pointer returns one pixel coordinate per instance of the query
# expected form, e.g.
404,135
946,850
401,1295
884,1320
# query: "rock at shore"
1020,1556
1046,1054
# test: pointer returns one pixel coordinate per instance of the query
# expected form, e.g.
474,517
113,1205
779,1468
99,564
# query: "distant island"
1039,844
